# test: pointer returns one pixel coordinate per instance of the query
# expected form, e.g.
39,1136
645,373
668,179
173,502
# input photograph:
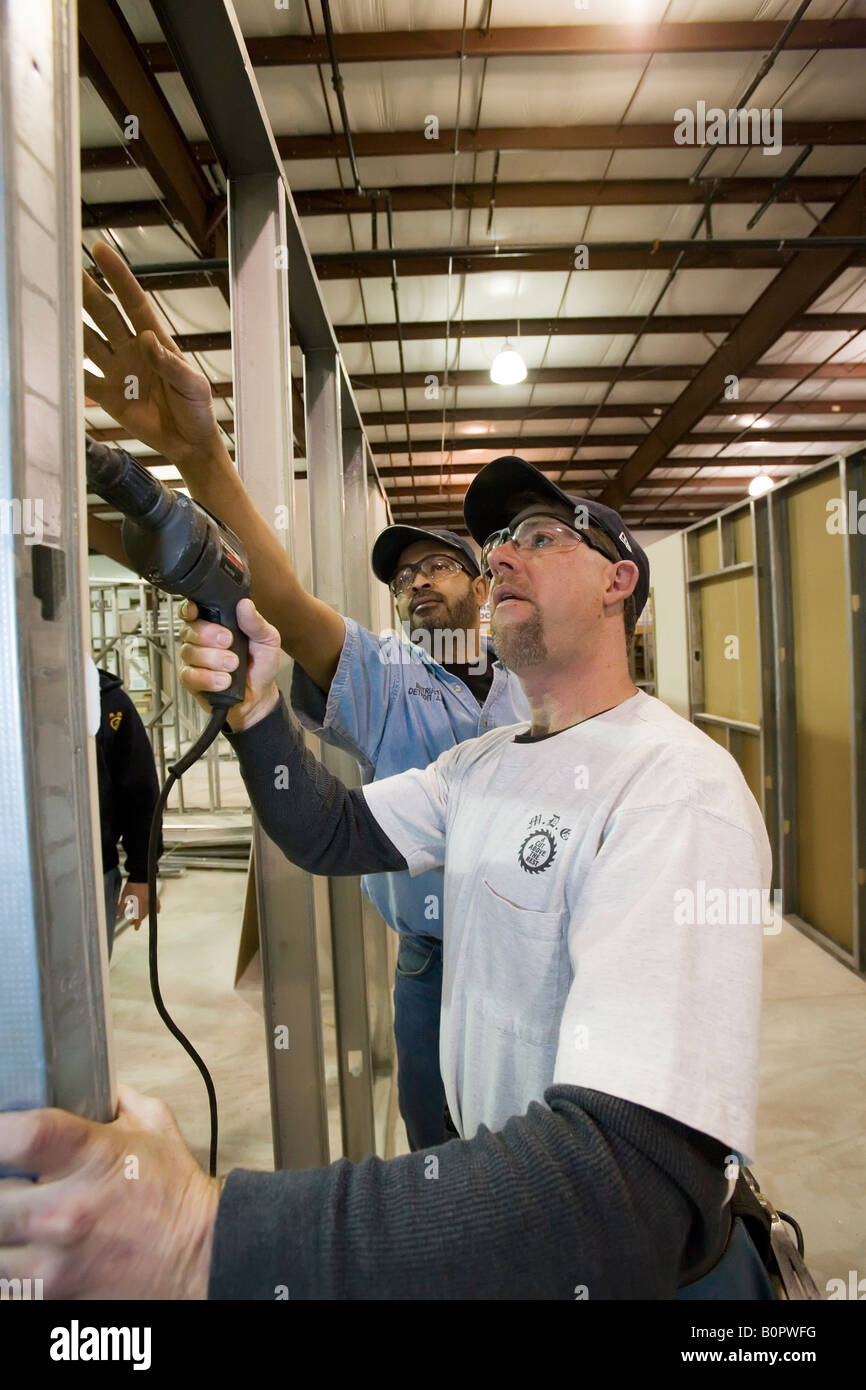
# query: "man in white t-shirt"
606,878
577,855
607,870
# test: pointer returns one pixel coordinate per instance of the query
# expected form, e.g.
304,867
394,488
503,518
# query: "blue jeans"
739,1274
417,1002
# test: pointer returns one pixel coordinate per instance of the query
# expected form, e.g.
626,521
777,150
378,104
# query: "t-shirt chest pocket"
517,970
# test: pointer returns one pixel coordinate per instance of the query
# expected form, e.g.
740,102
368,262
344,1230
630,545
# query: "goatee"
520,645
462,616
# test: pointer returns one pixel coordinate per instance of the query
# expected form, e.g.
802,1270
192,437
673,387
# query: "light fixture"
760,484
508,366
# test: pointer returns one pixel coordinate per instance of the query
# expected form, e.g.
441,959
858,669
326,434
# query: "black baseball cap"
487,507
391,543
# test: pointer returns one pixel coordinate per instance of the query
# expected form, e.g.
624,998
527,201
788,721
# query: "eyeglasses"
537,534
432,567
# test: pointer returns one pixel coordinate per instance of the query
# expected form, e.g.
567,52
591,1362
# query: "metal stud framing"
284,893
222,84
853,479
53,979
325,444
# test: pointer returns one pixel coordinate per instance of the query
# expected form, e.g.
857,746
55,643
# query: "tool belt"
768,1228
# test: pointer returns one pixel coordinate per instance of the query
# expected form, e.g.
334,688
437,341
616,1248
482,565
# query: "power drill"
178,545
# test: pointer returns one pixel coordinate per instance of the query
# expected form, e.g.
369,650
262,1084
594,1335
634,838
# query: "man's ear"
480,588
623,581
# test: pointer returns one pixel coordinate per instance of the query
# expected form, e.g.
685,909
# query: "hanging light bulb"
760,484
508,366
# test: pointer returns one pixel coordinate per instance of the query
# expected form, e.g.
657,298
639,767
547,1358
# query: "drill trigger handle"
234,693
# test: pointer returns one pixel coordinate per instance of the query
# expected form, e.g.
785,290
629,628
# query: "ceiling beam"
475,260
523,41
320,202
111,58
604,467
584,326
717,254
467,443
588,487
558,376
716,485
389,143
773,313
609,466
204,342
543,376
566,193
211,275
655,521
708,506
464,443
134,214
675,523
625,410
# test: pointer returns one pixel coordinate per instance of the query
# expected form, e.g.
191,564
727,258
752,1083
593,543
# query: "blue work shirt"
393,707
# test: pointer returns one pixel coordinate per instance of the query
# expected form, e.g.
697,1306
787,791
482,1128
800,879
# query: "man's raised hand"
147,387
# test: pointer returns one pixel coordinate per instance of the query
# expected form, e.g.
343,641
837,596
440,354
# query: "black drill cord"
201,746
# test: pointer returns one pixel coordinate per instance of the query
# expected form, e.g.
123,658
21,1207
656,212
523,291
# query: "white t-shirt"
605,895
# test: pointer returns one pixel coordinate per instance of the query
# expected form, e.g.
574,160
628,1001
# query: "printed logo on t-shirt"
427,692
538,850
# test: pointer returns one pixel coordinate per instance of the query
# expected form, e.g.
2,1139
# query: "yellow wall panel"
708,549
742,529
746,748
715,732
729,648
822,693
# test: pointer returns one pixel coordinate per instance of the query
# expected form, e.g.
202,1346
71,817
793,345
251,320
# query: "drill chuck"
122,480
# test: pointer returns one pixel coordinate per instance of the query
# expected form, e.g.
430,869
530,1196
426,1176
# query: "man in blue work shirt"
396,705
351,686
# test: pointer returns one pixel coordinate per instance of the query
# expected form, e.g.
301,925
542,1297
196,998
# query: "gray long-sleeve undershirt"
593,1197
589,1192
318,823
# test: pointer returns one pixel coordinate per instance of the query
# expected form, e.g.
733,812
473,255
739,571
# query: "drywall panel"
668,585
822,693
742,529
746,748
730,648
716,732
708,549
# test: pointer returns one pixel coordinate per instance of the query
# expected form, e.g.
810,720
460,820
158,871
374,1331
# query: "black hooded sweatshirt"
128,784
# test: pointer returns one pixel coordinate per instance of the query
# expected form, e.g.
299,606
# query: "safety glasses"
537,534
432,567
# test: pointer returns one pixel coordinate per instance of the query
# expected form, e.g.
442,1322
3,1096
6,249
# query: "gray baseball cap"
391,543
487,508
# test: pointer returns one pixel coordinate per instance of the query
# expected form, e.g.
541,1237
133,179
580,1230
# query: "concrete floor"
811,1158
812,1119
